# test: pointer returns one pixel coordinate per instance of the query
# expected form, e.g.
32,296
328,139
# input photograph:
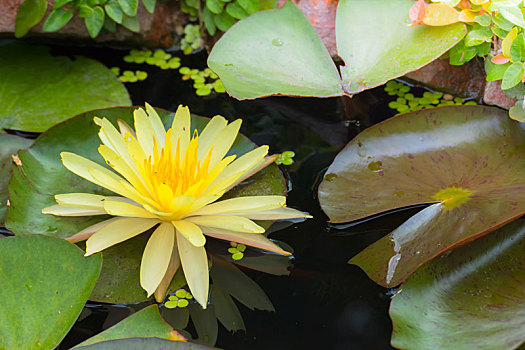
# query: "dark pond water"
324,303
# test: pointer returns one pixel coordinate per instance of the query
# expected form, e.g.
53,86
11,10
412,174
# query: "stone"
467,81
156,30
321,14
493,95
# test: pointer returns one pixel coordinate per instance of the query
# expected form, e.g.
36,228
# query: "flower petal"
80,165
173,266
156,123
242,205
156,257
237,168
59,210
224,142
208,137
119,164
116,232
195,265
191,232
253,170
227,222
119,208
276,214
148,130
118,185
81,200
90,230
252,239
180,130
125,128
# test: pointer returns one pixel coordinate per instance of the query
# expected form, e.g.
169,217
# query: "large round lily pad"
467,160
45,282
377,45
9,146
39,90
274,52
473,298
41,175
277,52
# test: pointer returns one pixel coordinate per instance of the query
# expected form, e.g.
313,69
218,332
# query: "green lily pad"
40,90
9,145
144,344
46,282
42,175
145,323
274,52
277,52
377,45
466,159
470,299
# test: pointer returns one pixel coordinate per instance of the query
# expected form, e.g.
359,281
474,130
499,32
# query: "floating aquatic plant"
204,81
171,180
408,102
285,158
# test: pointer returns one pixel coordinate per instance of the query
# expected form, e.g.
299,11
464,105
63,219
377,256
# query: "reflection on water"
324,303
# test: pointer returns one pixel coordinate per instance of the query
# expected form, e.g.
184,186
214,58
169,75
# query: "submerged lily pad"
45,282
277,52
145,323
144,344
473,298
40,90
274,52
377,45
42,175
9,146
467,160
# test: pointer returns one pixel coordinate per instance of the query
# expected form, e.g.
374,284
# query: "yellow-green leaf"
440,15
507,42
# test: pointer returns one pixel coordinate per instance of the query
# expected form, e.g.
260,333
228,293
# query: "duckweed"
407,101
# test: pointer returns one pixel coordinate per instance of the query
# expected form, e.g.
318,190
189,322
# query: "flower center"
173,172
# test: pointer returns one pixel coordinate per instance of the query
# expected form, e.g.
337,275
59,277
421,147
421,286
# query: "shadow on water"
324,303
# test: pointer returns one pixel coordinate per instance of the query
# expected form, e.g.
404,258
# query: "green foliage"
29,14
204,81
285,158
9,146
471,298
47,282
436,153
159,58
96,14
40,90
129,76
179,299
192,39
145,323
277,52
222,14
407,102
237,250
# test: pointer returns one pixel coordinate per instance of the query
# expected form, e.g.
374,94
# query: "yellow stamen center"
171,174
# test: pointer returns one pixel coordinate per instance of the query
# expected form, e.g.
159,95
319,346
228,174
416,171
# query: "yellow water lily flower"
173,180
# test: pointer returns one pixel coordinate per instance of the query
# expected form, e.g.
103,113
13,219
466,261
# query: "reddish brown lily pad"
473,298
469,160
